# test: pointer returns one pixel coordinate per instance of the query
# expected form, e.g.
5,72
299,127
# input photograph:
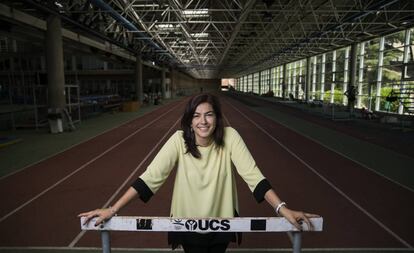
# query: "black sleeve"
143,190
261,188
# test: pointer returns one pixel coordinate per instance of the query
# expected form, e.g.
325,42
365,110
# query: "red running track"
355,203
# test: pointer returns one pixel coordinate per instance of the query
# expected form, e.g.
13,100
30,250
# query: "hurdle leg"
106,242
297,242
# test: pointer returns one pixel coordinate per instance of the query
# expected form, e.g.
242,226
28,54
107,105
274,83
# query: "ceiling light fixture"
195,13
199,35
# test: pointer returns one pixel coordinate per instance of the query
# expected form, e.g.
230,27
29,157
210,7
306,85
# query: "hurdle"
170,224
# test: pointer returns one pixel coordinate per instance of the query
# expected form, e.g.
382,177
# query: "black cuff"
143,190
261,188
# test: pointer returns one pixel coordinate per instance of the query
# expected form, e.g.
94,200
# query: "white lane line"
72,146
347,157
372,217
228,123
80,235
82,167
226,119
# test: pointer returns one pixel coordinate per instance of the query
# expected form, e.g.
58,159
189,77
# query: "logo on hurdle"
144,224
178,224
203,225
191,225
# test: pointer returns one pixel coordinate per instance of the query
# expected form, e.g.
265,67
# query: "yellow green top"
203,187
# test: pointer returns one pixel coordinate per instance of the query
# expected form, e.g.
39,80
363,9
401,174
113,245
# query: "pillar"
353,66
284,81
308,78
260,83
139,94
352,78
163,88
54,63
173,83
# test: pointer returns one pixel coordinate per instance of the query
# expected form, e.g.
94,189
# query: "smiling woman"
203,153
202,123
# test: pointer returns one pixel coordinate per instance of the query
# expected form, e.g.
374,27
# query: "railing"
167,224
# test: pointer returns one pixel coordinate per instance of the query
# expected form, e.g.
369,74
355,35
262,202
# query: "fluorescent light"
166,26
145,5
58,4
195,13
199,35
181,42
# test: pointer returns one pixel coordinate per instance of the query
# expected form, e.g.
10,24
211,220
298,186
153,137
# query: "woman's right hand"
102,214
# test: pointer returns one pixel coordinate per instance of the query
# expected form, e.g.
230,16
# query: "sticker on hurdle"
168,224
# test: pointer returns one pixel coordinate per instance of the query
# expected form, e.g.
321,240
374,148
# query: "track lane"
350,177
51,219
267,155
159,205
127,182
28,183
250,208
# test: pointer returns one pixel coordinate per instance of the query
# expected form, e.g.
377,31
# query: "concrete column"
353,66
163,88
269,77
260,82
173,83
352,75
139,94
284,81
308,78
108,81
54,62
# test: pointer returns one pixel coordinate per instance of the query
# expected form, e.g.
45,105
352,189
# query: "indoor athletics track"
361,209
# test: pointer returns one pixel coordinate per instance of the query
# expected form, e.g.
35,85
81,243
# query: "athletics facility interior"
321,91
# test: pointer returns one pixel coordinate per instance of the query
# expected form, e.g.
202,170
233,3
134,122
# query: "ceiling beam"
236,30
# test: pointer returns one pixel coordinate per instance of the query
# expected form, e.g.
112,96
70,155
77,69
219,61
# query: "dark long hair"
186,120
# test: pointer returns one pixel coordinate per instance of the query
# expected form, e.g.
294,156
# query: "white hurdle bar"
168,224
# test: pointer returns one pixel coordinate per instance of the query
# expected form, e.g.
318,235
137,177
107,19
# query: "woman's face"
203,123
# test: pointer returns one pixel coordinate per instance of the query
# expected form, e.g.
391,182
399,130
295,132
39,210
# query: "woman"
203,152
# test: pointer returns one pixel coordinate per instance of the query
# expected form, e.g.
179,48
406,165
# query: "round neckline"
212,143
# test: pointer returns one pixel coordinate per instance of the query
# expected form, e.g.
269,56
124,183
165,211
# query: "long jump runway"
360,208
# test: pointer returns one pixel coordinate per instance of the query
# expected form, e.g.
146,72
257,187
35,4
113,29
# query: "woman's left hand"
297,217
